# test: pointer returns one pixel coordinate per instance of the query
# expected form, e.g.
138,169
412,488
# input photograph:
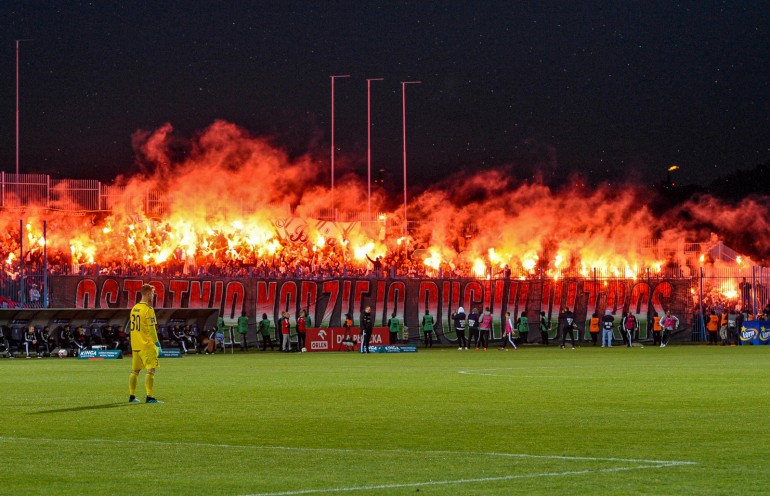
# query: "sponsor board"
171,353
100,354
394,348
337,339
755,332
319,346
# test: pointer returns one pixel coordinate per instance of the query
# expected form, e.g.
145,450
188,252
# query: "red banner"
327,301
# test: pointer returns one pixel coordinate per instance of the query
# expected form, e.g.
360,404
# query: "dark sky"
612,89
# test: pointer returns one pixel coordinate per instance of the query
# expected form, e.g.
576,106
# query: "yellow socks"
149,383
132,378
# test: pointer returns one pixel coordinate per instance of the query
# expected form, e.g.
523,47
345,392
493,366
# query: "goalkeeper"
144,345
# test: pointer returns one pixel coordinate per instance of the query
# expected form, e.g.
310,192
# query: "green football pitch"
679,420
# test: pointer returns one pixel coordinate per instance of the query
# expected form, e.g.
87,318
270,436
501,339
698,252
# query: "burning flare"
237,201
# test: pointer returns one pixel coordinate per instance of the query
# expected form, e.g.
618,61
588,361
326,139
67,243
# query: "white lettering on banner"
319,345
748,334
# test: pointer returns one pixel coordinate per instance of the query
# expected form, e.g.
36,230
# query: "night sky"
614,90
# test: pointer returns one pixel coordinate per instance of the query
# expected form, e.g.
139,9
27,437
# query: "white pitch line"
481,372
535,367
456,481
542,376
666,463
641,463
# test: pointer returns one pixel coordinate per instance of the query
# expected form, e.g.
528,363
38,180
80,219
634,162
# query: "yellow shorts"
144,359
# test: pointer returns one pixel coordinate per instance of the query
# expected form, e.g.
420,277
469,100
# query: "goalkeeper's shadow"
85,407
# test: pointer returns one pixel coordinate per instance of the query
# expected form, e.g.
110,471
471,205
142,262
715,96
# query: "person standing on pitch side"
670,323
243,330
629,327
145,346
545,327
301,330
285,326
428,322
608,323
367,326
508,333
593,328
264,331
568,328
459,319
522,325
485,327
473,327
657,328
393,325
347,340
732,327
712,327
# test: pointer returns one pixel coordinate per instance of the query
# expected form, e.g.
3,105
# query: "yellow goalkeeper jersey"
142,324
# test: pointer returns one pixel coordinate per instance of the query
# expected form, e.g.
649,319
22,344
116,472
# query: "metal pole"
17,112
702,332
753,294
332,145
403,120
650,309
369,145
45,264
21,263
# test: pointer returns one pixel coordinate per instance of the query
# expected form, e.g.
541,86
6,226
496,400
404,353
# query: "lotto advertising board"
755,332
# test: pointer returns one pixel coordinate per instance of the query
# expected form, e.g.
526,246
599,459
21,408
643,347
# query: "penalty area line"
463,481
638,464
645,462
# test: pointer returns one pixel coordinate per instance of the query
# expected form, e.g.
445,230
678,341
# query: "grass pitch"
679,420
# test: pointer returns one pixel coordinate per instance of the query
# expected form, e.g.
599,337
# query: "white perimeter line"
480,372
517,376
460,481
644,464
662,463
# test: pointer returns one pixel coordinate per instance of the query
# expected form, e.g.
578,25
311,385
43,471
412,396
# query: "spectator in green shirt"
243,330
427,327
264,332
393,325
522,325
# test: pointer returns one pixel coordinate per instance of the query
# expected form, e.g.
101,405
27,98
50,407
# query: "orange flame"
237,198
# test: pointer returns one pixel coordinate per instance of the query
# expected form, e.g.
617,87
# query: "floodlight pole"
17,106
334,211
369,144
403,119
17,111
22,297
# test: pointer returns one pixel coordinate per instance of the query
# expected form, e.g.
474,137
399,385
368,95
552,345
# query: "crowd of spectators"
293,261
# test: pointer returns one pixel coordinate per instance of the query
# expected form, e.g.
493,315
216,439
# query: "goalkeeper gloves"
157,347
